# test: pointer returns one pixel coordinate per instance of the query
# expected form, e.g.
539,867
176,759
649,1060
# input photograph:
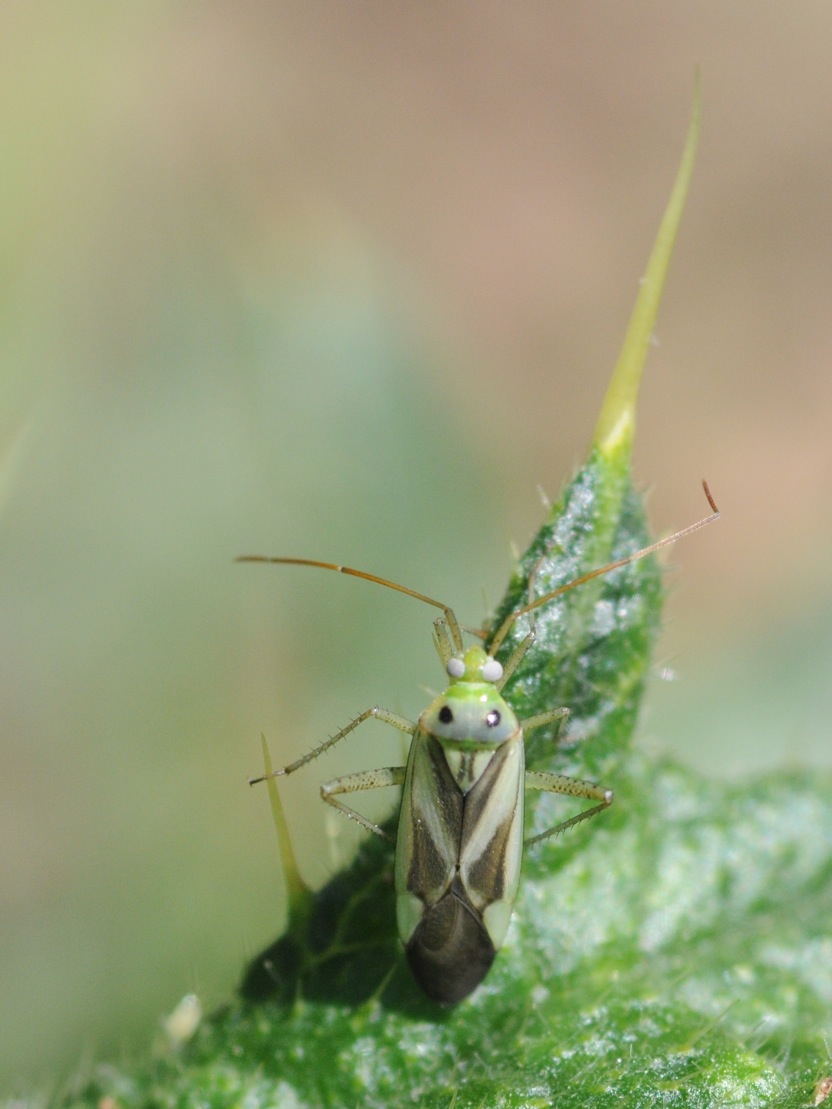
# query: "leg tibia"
570,787
377,713
355,783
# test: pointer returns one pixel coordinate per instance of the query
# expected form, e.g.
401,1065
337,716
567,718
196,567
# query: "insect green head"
471,714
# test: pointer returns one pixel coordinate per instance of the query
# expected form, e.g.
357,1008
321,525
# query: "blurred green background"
347,282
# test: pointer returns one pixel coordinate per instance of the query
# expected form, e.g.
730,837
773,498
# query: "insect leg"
541,718
517,656
570,787
442,640
525,644
364,779
379,713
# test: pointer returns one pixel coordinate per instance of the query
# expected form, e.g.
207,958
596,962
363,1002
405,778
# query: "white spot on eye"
455,667
491,671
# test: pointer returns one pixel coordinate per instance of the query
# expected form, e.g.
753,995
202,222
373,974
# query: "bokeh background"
347,281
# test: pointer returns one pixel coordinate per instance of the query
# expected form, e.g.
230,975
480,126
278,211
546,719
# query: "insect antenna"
448,612
538,602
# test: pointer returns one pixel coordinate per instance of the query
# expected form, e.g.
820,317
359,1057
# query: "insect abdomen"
450,952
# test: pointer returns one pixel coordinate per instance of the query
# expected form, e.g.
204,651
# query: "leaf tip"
616,423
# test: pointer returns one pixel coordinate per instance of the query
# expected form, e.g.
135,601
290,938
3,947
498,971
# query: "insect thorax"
470,721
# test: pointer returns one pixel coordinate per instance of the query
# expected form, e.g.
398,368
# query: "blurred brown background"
347,281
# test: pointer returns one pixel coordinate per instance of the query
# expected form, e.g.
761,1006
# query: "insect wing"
457,865
492,837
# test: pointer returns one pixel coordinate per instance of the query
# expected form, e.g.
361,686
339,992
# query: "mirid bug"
459,843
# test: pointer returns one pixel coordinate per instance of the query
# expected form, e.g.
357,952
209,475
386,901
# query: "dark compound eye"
492,718
445,715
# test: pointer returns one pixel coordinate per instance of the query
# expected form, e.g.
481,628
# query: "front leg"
353,783
376,712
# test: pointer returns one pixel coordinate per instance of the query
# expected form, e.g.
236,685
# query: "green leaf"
673,952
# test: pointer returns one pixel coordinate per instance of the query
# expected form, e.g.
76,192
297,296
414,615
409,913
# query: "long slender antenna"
506,626
448,612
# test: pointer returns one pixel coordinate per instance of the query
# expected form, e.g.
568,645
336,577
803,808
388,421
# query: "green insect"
459,843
